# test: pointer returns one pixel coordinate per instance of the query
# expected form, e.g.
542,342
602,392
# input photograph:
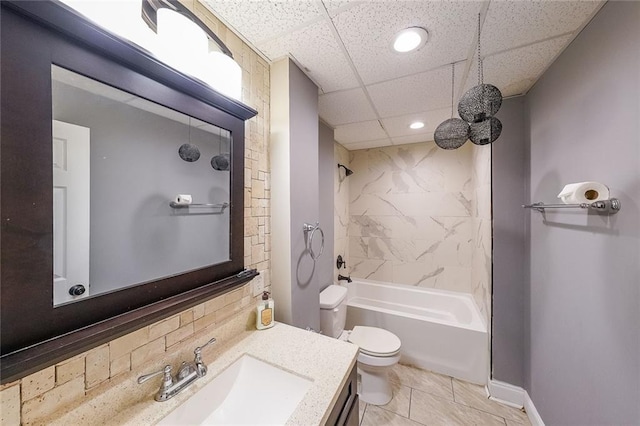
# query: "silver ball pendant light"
485,131
479,105
480,102
452,133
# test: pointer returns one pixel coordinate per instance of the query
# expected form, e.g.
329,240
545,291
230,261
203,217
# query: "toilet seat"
375,342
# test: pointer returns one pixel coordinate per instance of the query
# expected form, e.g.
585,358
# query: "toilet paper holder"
610,206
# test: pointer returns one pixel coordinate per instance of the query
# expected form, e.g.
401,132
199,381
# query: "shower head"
348,172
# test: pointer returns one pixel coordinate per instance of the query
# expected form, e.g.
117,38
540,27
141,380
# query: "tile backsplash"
75,380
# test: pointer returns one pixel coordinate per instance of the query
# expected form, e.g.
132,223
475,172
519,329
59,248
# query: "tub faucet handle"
340,262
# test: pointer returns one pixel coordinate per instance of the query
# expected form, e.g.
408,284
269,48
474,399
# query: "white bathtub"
441,331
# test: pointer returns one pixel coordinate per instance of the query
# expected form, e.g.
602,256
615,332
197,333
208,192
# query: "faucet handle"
200,348
201,368
166,371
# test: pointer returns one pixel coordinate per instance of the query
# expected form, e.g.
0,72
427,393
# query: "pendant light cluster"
477,109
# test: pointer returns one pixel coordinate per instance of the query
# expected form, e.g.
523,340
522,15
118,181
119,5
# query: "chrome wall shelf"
610,206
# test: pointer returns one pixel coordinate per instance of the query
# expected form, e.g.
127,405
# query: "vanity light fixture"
416,125
410,39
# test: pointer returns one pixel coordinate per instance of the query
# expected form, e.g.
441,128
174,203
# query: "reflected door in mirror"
71,206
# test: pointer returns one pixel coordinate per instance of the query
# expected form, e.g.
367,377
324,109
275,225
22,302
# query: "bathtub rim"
477,323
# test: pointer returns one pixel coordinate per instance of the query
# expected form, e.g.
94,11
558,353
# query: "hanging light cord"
480,76
453,83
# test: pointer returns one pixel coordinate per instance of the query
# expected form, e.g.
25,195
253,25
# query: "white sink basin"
248,392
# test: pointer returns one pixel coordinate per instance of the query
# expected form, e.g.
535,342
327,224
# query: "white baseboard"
514,396
532,413
506,393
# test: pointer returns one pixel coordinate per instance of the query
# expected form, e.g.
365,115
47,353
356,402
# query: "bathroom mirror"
57,67
119,163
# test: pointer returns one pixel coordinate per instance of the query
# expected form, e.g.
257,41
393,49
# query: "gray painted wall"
326,171
583,321
294,194
135,172
303,127
508,180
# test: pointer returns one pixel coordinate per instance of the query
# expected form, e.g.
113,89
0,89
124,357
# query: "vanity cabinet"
345,411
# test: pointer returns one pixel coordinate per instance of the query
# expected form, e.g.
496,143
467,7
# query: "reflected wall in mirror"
116,169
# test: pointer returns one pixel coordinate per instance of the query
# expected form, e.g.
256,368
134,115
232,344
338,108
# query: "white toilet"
379,349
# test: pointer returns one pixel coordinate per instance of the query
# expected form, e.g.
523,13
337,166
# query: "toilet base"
375,388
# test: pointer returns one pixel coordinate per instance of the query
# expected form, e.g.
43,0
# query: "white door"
71,161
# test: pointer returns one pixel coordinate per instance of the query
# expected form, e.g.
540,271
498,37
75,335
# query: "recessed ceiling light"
416,125
409,39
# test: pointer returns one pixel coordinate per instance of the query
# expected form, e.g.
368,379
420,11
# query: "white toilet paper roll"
584,192
183,199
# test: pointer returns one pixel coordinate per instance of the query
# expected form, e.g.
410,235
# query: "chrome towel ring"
307,227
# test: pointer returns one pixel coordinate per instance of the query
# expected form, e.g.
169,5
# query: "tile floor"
424,398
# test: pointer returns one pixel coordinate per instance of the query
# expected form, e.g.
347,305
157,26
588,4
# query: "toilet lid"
375,341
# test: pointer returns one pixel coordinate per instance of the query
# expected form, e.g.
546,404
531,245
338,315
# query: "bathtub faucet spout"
343,278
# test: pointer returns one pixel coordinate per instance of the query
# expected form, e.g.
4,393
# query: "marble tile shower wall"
411,216
481,261
341,209
76,380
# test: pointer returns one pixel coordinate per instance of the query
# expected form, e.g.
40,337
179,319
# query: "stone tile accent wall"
171,340
411,215
341,209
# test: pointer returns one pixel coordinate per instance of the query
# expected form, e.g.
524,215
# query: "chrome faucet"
189,372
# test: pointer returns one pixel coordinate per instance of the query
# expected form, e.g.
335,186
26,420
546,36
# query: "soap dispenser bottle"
264,317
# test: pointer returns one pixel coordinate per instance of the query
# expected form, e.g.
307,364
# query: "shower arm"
347,171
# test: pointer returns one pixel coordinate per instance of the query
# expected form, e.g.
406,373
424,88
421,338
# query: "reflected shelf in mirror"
185,207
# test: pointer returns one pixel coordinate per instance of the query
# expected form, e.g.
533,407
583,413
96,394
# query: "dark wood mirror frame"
34,334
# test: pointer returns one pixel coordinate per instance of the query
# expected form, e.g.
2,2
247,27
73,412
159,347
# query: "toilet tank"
333,310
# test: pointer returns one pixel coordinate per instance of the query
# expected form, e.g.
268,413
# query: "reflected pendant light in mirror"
221,161
188,151
454,132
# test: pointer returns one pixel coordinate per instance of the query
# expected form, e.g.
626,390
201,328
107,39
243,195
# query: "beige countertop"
324,360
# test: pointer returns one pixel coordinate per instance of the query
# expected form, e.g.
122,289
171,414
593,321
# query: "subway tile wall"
170,341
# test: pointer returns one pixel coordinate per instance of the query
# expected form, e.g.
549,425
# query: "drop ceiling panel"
510,24
263,20
358,132
399,126
348,106
325,63
367,144
367,31
425,137
514,72
419,92
336,6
